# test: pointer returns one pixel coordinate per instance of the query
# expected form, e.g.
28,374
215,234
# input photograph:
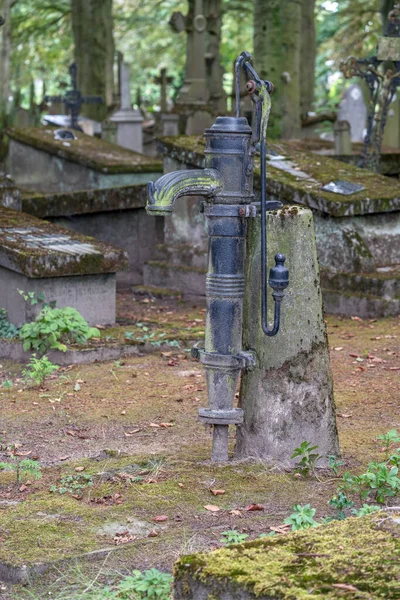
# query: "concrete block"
288,397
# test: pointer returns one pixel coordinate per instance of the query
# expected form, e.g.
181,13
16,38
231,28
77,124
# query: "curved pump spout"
197,182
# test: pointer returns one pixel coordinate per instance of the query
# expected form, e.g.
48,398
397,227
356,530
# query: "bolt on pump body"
226,183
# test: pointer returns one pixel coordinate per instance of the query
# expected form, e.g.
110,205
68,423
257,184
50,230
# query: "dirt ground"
130,425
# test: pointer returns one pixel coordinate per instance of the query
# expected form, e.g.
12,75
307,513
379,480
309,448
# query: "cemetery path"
130,426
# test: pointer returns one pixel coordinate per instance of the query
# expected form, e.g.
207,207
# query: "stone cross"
382,80
73,99
163,81
129,121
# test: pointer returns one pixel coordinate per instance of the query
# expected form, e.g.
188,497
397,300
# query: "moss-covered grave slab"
71,269
389,161
86,150
36,248
83,202
299,175
38,161
354,558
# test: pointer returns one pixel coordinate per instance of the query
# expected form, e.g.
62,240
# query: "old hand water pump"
226,183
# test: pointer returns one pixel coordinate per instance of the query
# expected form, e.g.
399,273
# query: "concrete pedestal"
129,129
288,397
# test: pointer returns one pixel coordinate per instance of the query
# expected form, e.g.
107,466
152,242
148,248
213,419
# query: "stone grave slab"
39,162
356,233
356,557
74,270
389,162
113,215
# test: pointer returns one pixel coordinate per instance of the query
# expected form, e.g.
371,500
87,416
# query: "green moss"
356,552
38,262
87,150
84,201
380,194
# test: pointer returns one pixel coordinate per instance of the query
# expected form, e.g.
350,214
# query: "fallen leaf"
338,348
181,485
160,518
152,533
21,453
212,507
63,458
71,433
166,424
217,492
79,469
356,319
235,512
123,412
251,507
353,355
344,415
22,488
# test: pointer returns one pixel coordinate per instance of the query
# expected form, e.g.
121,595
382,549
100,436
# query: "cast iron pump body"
226,183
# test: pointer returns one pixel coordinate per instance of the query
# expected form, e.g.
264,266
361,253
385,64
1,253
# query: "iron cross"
73,99
382,75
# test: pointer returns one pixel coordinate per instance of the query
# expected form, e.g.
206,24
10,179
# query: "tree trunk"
277,55
308,53
92,26
5,57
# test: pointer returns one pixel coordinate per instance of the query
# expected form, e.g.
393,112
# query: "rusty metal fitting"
251,86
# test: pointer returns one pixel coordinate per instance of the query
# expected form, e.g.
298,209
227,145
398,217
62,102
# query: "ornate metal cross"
73,99
382,75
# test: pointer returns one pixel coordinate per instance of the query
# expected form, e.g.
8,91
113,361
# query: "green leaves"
308,460
233,537
54,328
38,369
149,584
302,517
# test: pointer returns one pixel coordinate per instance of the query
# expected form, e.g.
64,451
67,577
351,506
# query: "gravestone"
73,270
391,137
10,195
353,109
357,234
192,100
129,121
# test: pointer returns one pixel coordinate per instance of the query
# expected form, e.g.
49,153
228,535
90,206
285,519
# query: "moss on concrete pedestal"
355,558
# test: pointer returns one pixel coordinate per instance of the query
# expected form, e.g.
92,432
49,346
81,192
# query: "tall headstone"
354,110
129,121
391,137
202,95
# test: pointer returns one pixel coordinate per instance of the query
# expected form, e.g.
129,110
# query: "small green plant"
7,329
233,537
38,369
335,463
366,509
73,484
388,439
302,517
54,328
7,384
340,503
149,584
34,299
23,469
380,479
151,338
308,458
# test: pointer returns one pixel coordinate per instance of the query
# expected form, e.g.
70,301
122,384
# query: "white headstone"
354,110
129,121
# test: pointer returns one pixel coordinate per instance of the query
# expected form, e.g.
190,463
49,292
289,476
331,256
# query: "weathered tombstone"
109,131
287,397
74,270
169,121
129,121
391,137
354,110
163,80
192,100
342,136
10,196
